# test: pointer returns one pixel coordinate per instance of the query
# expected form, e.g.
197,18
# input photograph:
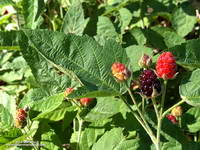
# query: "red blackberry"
172,119
148,82
20,120
166,66
86,101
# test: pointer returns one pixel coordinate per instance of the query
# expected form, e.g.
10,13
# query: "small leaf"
48,103
187,54
105,30
74,21
110,140
125,18
32,13
190,90
183,19
55,115
191,120
104,109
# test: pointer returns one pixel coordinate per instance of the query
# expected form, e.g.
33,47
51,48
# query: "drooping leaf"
105,30
171,38
189,89
74,21
125,18
74,56
138,36
183,19
32,13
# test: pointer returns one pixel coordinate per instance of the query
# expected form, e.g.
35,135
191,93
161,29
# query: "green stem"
168,110
140,121
160,116
80,121
143,101
140,113
155,108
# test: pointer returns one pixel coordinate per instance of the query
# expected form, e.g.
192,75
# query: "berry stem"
175,105
80,122
155,108
151,134
143,102
139,120
160,114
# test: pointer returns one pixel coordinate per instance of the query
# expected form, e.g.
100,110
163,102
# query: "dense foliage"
74,74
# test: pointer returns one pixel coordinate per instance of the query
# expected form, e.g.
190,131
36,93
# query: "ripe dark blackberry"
148,80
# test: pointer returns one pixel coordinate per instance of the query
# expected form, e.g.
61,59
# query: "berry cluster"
149,84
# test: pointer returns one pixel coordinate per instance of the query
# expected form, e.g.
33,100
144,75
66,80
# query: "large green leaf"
9,40
74,21
183,19
189,89
191,119
51,79
104,109
32,12
74,56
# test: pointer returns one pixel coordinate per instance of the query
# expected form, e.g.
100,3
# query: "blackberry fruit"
149,81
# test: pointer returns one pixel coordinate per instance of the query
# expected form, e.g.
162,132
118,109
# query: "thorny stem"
160,114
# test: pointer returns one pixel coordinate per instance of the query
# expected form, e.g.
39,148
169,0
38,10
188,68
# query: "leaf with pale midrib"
82,56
